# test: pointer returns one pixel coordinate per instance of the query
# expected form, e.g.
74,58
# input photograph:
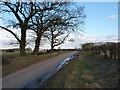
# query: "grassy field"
87,71
11,55
17,62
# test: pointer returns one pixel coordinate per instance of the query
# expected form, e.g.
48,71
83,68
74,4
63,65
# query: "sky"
101,25
102,18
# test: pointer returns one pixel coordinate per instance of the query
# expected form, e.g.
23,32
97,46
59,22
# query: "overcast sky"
101,25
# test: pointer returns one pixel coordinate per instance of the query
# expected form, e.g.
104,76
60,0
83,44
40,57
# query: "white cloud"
78,41
112,16
107,38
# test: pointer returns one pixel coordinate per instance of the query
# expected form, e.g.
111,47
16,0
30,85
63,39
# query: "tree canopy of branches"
23,12
43,20
56,36
57,18
65,21
57,15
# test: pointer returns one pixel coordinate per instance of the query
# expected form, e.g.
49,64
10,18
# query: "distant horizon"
101,25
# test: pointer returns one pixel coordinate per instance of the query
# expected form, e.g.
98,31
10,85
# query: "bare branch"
11,33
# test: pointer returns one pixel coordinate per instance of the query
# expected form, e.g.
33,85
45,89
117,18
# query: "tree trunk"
37,44
23,42
52,40
52,47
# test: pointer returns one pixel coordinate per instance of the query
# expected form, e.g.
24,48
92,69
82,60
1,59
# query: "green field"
87,71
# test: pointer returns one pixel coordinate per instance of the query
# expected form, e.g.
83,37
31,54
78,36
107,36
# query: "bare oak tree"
66,21
41,17
23,12
56,36
44,19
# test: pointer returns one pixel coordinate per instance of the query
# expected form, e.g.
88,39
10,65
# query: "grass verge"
18,62
87,71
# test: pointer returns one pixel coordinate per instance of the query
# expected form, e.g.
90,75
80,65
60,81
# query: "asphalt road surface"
22,77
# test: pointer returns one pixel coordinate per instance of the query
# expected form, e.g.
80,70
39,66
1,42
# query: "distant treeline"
41,51
14,49
108,49
66,50
54,50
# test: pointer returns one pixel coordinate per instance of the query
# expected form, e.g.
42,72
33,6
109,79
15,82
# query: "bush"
107,50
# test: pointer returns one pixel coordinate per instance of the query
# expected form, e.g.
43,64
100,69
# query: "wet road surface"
22,77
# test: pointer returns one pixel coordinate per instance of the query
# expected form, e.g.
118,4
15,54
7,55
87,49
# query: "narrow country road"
22,77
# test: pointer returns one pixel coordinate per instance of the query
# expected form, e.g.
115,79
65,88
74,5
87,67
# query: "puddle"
41,81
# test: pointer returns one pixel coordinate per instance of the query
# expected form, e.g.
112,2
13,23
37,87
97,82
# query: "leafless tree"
56,36
66,21
40,17
23,12
43,20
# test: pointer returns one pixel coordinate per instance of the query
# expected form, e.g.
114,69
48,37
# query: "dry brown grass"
92,85
87,77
